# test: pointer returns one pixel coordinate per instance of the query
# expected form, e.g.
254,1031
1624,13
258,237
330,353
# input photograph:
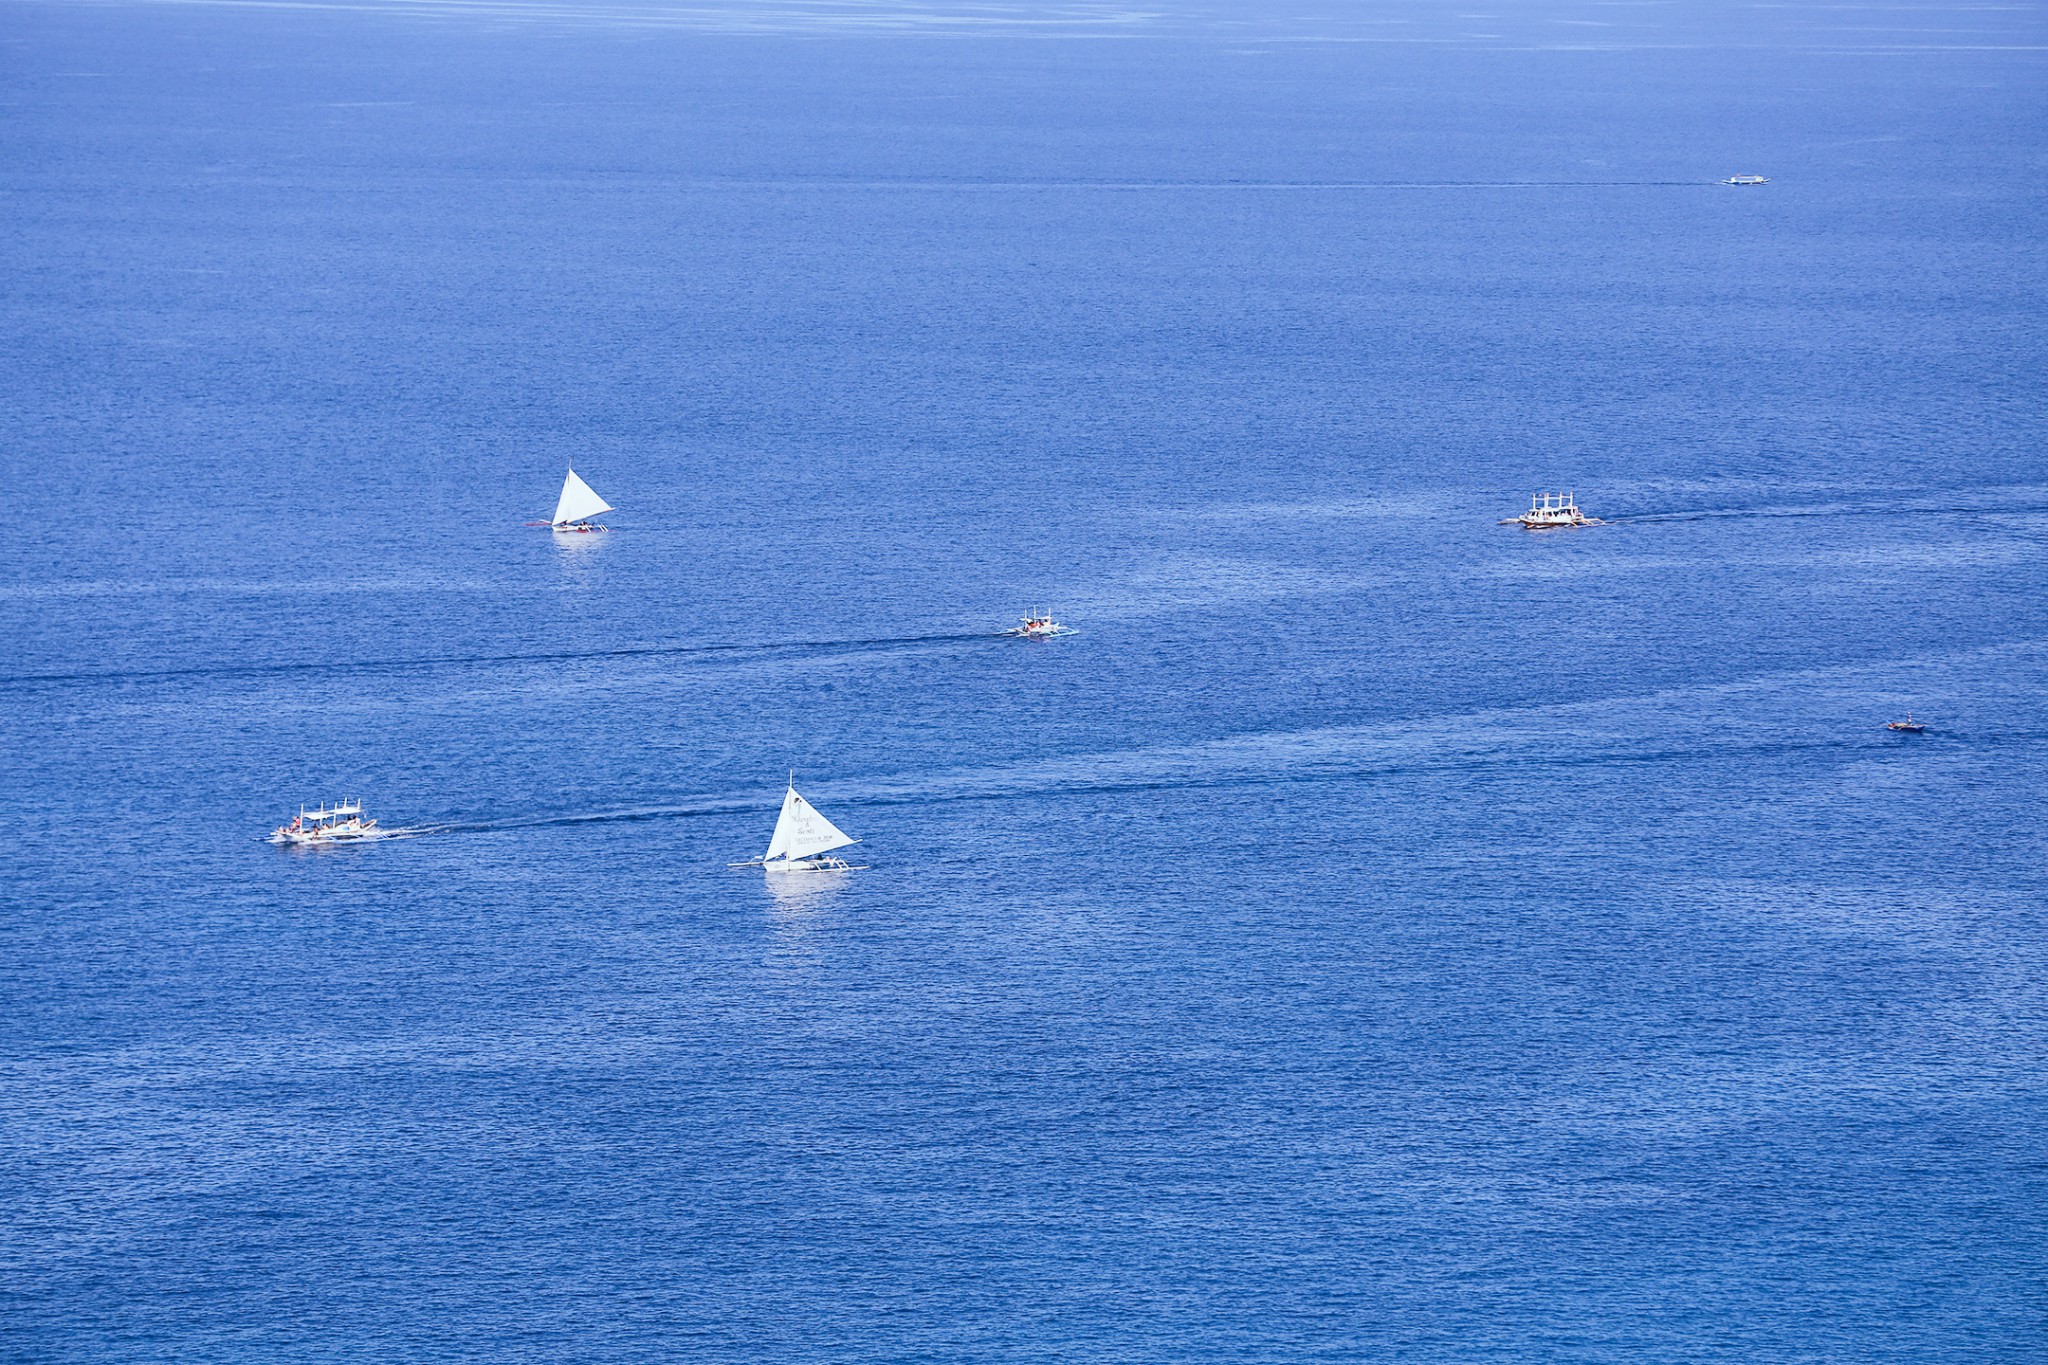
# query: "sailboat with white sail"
577,505
802,839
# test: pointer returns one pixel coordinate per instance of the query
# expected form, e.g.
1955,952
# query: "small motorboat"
1908,726
1747,180
341,823
1039,625
1549,511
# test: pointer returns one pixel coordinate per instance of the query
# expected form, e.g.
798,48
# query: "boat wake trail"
1816,712
1838,509
1198,186
728,805
738,650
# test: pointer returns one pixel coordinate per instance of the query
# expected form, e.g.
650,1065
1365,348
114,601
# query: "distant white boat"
802,837
340,823
1039,625
577,505
1551,510
1747,180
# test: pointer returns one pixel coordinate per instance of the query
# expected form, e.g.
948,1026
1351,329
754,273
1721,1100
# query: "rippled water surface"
1377,933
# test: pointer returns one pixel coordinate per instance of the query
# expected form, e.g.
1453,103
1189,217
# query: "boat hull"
1543,523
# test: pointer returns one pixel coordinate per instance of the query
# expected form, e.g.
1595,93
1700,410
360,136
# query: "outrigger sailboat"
340,823
802,837
1039,625
577,505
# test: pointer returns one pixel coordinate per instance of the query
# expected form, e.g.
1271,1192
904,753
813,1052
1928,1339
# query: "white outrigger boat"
340,823
801,840
575,508
1550,510
1039,625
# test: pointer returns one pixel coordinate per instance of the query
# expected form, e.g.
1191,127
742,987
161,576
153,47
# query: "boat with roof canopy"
1549,511
341,823
1039,625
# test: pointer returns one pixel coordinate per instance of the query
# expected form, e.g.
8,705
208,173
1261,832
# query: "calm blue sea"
1377,935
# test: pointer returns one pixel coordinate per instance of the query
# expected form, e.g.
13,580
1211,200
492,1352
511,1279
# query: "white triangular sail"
800,832
579,501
